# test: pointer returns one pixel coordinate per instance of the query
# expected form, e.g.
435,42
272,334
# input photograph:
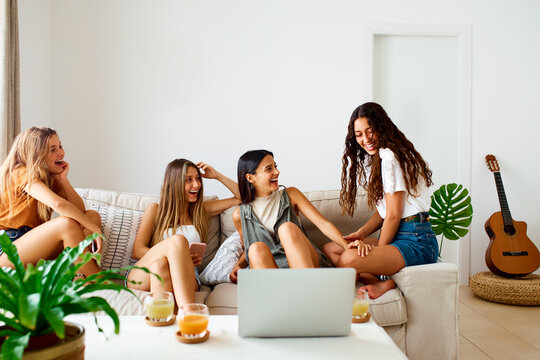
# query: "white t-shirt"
393,181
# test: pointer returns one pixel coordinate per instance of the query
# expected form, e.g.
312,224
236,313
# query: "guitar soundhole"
509,229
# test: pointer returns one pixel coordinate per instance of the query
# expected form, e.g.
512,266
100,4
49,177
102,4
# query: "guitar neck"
505,210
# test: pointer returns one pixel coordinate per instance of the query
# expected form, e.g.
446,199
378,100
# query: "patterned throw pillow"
218,270
119,226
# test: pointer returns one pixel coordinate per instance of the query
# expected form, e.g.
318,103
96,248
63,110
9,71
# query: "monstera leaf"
451,212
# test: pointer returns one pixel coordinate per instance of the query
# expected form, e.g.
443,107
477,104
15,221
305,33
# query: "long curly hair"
356,159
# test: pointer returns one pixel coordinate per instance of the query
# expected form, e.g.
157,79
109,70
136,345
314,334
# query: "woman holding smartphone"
169,227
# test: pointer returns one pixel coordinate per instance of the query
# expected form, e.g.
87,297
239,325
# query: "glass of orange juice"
193,320
159,306
360,305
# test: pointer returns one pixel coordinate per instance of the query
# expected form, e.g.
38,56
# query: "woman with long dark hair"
379,158
267,220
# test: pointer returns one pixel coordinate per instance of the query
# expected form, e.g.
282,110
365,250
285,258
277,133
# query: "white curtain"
10,121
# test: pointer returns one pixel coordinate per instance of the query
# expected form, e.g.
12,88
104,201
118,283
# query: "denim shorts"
417,243
14,234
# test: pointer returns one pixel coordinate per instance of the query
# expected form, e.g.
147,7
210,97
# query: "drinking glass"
159,306
193,320
360,305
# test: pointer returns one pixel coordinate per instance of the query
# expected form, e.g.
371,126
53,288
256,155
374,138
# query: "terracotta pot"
49,347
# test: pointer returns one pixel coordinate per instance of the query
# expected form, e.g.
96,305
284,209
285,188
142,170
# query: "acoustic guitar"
510,252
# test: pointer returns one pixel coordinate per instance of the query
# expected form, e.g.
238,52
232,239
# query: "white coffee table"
140,341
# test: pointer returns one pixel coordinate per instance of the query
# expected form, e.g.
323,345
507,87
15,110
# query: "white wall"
35,63
132,84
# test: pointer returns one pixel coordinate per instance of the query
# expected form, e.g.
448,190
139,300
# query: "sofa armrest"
431,297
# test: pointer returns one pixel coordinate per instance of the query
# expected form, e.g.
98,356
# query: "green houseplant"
451,212
35,300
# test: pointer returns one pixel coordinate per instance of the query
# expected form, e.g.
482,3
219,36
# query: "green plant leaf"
29,309
11,322
102,304
11,252
110,286
13,347
8,333
55,318
60,266
9,291
451,212
92,304
40,296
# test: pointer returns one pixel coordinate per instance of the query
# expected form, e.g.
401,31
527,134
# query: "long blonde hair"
172,202
30,150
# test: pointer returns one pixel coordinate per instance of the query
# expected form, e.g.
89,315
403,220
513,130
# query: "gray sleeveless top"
254,231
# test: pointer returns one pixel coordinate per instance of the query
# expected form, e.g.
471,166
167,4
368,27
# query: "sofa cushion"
389,309
218,270
128,202
223,299
119,227
327,202
227,224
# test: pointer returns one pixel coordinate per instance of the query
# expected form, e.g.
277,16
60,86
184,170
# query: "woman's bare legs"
178,268
299,250
260,256
47,241
332,251
384,260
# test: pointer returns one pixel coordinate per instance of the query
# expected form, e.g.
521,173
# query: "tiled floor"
488,330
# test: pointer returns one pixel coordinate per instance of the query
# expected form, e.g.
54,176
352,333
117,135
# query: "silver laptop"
295,302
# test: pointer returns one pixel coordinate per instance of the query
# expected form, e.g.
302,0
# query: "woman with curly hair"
380,159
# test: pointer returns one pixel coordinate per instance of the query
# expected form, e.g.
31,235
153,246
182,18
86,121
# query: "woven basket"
524,290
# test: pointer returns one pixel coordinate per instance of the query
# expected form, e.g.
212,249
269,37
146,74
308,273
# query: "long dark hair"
355,158
247,164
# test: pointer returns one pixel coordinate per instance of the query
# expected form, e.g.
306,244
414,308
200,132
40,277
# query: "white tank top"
266,209
188,231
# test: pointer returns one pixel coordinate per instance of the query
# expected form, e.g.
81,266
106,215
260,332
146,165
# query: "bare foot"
379,288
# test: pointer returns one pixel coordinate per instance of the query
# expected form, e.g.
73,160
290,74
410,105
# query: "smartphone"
197,248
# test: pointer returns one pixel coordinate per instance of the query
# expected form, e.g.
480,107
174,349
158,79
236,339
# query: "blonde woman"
168,228
33,183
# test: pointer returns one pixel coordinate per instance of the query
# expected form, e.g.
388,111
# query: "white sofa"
420,316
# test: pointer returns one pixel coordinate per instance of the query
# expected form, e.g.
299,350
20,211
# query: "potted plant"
451,212
35,300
